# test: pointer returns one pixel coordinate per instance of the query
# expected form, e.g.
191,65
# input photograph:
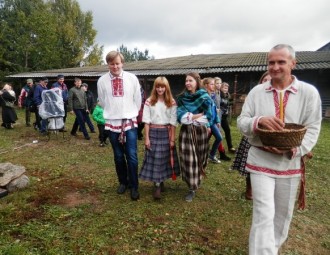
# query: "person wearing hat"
65,94
25,101
37,100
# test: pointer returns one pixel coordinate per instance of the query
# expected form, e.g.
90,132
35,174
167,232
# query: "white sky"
170,28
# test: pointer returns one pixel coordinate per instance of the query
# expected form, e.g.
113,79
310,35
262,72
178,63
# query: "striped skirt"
193,151
156,166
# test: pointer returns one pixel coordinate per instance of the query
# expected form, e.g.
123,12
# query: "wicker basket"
290,137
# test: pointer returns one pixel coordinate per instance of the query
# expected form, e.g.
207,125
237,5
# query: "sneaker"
214,160
189,197
232,150
87,138
224,157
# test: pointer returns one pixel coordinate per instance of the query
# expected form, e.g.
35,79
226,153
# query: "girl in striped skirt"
159,115
194,113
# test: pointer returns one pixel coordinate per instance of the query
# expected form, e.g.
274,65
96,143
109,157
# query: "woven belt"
158,126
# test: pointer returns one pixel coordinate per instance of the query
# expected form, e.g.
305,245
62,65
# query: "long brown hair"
198,80
161,81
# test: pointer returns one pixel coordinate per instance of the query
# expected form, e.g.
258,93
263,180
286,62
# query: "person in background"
225,103
221,148
7,100
65,95
239,162
194,113
208,84
139,118
119,95
275,173
159,116
90,106
99,119
25,101
37,100
77,104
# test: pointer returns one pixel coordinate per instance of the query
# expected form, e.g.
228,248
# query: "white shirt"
302,105
159,113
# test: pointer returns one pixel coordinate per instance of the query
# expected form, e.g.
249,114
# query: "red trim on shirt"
272,171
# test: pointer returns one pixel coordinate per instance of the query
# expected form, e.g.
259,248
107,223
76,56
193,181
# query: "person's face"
160,90
266,78
211,86
224,89
44,83
280,64
218,84
191,84
77,83
116,66
84,88
61,80
30,84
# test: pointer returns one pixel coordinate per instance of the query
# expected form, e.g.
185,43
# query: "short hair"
285,46
112,55
77,79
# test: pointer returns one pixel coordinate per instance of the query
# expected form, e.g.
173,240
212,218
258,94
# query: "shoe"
214,160
43,133
224,157
135,194
156,193
101,145
162,187
87,138
73,134
28,124
62,130
121,189
93,131
189,197
232,150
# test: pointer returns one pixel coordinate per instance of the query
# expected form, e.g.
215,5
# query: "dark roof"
203,63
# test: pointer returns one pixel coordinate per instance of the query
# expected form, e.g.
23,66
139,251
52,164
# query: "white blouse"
159,113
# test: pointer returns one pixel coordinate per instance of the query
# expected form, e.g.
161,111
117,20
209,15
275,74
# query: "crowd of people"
201,110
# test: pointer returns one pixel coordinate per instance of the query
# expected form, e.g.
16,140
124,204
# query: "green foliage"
71,205
39,35
134,55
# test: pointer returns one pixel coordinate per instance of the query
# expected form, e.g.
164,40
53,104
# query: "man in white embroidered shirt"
275,174
119,96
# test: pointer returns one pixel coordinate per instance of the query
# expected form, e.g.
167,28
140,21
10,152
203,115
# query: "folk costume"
275,178
157,166
193,137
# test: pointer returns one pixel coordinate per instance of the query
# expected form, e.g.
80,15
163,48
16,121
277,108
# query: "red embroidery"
117,87
272,171
119,127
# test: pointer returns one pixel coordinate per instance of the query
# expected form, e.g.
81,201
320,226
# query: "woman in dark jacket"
7,99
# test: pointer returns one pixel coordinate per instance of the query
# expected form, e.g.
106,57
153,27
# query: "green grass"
71,205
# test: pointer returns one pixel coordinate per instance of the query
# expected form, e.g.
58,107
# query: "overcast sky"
170,28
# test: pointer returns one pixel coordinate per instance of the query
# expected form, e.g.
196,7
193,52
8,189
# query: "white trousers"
273,204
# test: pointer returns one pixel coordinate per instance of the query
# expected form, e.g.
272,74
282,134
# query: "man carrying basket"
276,172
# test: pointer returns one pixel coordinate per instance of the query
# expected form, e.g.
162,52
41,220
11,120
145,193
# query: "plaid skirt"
193,153
241,157
156,166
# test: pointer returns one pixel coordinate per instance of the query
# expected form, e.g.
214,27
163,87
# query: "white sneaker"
214,160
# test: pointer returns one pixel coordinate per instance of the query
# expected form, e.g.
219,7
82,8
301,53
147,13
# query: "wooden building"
241,70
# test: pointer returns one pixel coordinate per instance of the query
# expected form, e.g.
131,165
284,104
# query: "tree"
135,55
38,35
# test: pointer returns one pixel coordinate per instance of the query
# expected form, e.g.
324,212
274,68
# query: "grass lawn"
71,205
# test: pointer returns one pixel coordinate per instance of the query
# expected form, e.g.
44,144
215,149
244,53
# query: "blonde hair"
112,55
161,81
206,82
